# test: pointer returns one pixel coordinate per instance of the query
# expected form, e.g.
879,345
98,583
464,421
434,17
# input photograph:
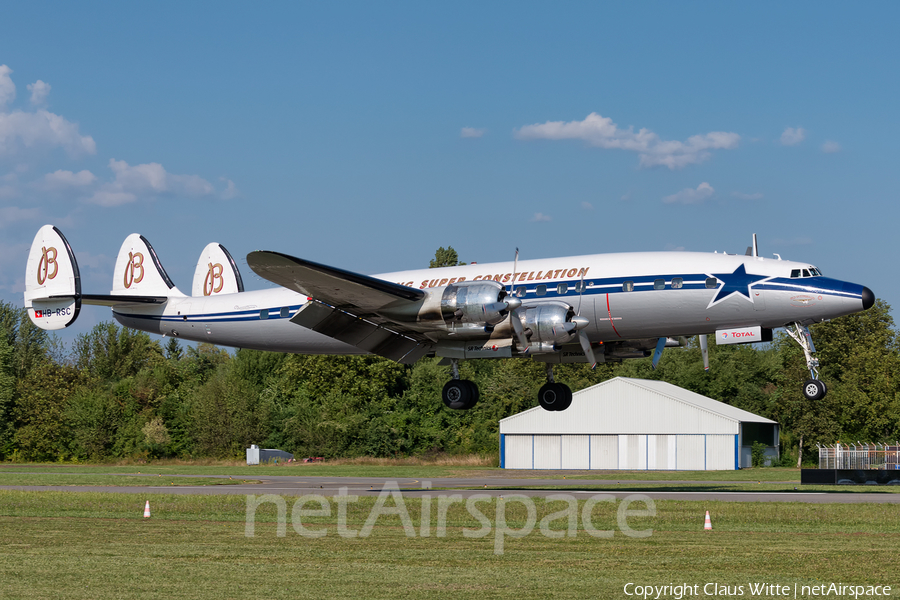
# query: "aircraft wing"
344,305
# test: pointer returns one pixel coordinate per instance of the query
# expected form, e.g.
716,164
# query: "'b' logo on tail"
214,275
48,258
134,267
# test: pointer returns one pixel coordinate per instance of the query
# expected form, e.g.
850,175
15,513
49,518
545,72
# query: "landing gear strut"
459,394
813,389
552,395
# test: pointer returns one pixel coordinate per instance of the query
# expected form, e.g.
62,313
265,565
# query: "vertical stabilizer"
52,281
138,271
216,273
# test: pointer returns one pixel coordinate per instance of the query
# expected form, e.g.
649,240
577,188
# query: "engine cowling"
479,302
549,324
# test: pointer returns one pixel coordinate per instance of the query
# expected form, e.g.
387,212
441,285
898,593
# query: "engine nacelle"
480,302
549,323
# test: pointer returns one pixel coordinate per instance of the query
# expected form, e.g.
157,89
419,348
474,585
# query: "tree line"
118,393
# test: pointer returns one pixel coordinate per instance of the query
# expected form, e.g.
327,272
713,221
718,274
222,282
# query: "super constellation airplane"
573,309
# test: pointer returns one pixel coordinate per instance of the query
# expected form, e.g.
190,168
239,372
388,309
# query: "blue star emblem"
738,282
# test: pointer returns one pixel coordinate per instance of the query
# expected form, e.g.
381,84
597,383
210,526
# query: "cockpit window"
806,273
795,273
815,272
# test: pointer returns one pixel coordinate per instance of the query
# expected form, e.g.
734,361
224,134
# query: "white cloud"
42,130
11,214
471,132
830,147
690,195
67,179
540,218
39,92
587,206
756,196
39,129
792,137
602,132
7,87
148,178
8,191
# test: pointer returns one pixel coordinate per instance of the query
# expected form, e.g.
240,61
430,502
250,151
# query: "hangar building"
635,424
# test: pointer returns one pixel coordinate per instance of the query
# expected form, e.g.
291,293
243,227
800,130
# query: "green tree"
445,257
109,352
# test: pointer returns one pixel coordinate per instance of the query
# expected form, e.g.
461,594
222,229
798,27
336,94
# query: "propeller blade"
519,330
586,346
657,354
704,350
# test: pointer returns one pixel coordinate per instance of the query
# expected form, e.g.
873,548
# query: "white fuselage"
626,296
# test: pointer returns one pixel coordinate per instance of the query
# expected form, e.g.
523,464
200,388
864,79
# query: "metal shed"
635,424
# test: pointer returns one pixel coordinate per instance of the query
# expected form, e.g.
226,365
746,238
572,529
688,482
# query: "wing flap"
336,287
363,334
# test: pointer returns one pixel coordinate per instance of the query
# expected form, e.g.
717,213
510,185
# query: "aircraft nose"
868,298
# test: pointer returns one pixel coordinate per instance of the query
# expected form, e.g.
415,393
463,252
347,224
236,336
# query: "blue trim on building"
737,452
502,450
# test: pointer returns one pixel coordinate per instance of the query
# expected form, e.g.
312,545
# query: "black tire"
567,397
552,396
814,389
473,390
459,394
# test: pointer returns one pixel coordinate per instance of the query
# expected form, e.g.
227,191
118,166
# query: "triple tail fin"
52,281
216,273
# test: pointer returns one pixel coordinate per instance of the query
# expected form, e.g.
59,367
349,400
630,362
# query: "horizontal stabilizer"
337,287
114,300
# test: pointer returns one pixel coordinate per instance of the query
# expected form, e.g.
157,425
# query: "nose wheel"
813,389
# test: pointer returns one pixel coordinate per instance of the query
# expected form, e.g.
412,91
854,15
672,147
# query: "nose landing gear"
813,388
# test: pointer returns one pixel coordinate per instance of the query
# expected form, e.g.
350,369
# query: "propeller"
581,324
515,303
657,354
704,350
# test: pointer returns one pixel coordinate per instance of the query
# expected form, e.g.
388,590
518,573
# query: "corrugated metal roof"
625,405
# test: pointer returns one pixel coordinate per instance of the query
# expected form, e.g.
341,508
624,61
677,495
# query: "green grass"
68,478
402,471
93,545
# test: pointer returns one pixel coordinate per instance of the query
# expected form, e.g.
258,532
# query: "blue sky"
365,135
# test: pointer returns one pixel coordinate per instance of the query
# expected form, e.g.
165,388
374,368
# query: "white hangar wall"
632,424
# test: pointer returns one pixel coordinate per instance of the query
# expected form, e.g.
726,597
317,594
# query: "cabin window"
711,283
659,284
579,287
264,313
521,291
285,312
628,286
795,273
562,288
677,283
541,290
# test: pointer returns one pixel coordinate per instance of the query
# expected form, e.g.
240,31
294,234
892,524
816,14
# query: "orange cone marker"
147,511
708,525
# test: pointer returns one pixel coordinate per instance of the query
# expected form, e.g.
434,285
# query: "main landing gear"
813,389
461,394
552,395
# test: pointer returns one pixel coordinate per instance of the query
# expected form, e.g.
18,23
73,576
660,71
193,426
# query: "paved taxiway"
494,486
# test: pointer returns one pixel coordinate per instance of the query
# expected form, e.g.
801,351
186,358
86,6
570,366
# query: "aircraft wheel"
552,396
459,394
814,389
567,397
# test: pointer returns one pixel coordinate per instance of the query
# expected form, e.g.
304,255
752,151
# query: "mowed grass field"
93,545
